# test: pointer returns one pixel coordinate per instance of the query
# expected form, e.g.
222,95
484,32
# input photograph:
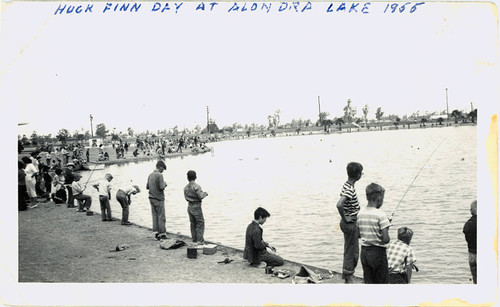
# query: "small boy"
255,247
374,233
104,189
84,201
348,207
470,231
401,258
194,195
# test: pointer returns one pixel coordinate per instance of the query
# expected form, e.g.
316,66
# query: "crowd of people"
383,261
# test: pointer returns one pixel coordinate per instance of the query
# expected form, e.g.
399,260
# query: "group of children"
383,261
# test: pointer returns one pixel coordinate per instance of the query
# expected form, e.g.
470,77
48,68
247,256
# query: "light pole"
447,111
91,128
208,122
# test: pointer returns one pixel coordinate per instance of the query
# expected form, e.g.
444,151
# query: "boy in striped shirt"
348,207
374,233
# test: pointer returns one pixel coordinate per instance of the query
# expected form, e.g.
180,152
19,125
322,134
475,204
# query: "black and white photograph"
250,153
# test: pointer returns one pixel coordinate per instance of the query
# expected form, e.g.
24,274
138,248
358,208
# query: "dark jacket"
254,245
470,231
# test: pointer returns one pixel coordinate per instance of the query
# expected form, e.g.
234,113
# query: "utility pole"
208,121
447,111
319,112
471,107
91,128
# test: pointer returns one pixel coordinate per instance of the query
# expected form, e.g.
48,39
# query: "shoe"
80,210
32,206
161,237
261,265
126,223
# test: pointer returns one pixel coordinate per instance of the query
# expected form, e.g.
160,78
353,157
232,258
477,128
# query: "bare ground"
59,245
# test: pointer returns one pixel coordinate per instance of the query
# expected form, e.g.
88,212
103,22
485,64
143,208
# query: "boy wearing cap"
156,186
194,195
401,258
85,201
123,197
104,189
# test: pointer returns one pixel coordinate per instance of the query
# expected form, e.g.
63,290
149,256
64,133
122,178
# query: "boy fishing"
348,207
104,189
374,233
470,232
194,195
401,257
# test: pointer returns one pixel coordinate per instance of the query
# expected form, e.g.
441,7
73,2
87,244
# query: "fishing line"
415,178
91,174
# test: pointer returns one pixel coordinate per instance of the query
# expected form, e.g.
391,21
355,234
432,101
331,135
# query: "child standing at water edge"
156,186
470,231
400,257
194,195
374,233
123,197
104,188
348,207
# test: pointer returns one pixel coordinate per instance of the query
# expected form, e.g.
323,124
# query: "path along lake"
298,180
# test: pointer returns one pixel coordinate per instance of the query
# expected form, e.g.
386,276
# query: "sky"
151,70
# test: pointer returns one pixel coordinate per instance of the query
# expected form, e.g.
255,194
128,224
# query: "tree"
349,112
440,120
277,118
397,121
456,114
339,122
307,123
322,118
101,131
34,138
130,131
365,114
62,135
473,115
379,113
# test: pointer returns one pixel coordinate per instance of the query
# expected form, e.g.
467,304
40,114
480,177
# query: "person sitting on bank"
84,201
401,257
255,247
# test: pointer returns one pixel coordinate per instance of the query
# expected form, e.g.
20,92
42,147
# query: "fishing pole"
91,174
415,179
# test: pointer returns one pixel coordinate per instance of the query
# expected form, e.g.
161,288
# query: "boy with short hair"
84,201
374,233
255,247
104,189
470,231
156,186
348,207
401,257
194,195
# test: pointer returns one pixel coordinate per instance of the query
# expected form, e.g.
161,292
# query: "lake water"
298,180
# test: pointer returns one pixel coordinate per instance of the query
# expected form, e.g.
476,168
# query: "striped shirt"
351,205
371,221
397,253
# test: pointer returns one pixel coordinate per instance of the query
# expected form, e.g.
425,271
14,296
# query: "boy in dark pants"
374,233
104,189
194,195
470,231
255,247
348,207
401,257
